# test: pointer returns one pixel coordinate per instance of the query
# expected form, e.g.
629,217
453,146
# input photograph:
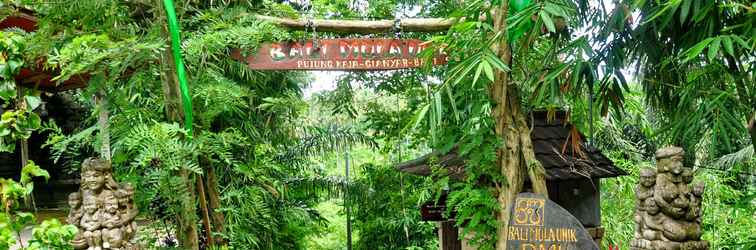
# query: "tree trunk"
24,144
186,218
21,105
213,198
102,123
205,213
516,158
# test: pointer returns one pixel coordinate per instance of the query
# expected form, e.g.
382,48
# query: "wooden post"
448,236
347,204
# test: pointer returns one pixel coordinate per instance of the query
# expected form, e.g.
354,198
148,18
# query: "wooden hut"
573,169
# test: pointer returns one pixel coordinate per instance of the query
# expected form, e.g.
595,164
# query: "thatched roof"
558,145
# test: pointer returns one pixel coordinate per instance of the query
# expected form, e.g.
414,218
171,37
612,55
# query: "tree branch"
364,27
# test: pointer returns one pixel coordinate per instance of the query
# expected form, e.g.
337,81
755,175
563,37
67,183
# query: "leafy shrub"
51,234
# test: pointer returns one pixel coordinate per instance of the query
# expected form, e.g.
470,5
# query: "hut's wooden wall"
581,197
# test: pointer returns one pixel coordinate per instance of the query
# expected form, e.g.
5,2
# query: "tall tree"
510,58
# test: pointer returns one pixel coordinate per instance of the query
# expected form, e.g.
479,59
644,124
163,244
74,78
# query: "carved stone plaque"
537,223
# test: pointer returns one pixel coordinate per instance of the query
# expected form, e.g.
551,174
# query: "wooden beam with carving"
364,27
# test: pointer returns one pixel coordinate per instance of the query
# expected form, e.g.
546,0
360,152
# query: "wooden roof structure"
36,76
558,145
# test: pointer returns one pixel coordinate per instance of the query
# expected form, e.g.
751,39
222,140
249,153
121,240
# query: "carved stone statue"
668,210
644,191
102,209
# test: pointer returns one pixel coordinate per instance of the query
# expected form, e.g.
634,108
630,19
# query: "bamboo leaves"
547,21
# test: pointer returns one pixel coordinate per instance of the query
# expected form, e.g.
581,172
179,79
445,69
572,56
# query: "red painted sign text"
341,54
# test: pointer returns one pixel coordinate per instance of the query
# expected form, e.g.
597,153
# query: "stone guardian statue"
668,210
102,209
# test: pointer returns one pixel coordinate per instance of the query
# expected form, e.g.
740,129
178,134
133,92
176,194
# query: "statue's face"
673,164
92,180
90,206
651,207
111,205
698,189
647,180
74,202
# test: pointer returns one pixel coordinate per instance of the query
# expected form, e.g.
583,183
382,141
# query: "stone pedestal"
668,208
102,209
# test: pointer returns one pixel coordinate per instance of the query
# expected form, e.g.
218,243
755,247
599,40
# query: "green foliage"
166,151
52,235
727,218
7,239
66,150
261,212
389,217
707,94
242,123
12,221
728,201
20,123
552,67
157,152
16,125
333,236
695,58
11,191
11,61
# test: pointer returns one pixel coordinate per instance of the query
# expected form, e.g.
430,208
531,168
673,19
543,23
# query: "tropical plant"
389,218
50,234
695,59
15,124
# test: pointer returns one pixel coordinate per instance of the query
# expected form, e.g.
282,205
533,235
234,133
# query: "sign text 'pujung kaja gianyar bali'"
340,54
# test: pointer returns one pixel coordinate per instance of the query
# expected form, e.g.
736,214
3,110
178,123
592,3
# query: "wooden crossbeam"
364,27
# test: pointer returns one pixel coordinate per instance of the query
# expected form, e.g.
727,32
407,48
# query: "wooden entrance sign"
340,54
539,223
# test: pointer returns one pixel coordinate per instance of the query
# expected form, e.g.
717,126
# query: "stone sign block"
537,223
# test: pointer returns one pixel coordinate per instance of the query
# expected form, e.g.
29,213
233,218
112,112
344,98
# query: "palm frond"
332,186
318,141
742,156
